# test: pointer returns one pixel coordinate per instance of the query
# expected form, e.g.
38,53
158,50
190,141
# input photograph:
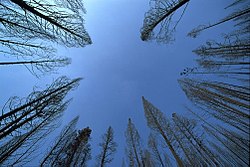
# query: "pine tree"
78,151
233,151
134,148
230,107
156,152
157,121
108,148
62,140
187,128
71,149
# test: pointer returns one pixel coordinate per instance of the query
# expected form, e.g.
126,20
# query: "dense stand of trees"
180,140
23,120
225,101
190,146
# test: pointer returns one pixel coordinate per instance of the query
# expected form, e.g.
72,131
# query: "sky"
119,68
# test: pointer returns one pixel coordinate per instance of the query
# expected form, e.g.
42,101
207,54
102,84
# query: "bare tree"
78,152
108,148
161,13
19,115
65,136
20,149
41,66
232,149
240,14
236,2
233,140
134,148
71,149
147,159
26,25
58,21
156,152
219,101
157,121
200,151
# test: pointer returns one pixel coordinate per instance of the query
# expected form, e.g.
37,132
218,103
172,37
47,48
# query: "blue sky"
119,68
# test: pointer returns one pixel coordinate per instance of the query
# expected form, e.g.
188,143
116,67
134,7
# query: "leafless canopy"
161,13
59,21
19,115
108,148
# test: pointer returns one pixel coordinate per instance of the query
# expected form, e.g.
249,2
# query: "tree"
157,121
25,48
58,21
20,149
108,148
238,139
78,151
26,25
236,2
224,102
62,140
232,149
161,13
19,115
134,148
235,16
71,149
194,141
147,160
40,67
159,157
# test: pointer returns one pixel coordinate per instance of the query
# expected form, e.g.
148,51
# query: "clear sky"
119,68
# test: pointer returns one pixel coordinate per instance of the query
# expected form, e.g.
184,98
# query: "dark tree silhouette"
160,158
108,148
20,149
19,115
160,13
238,155
41,66
59,21
221,100
236,2
72,148
194,142
63,139
234,141
238,16
134,148
78,151
157,121
26,25
24,48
